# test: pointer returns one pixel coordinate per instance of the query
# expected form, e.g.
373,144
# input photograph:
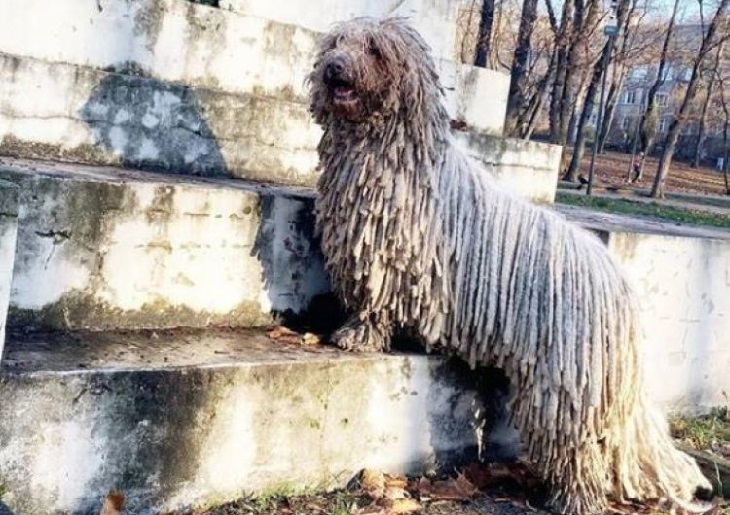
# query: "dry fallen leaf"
395,492
457,489
396,481
113,503
283,334
310,339
372,482
406,505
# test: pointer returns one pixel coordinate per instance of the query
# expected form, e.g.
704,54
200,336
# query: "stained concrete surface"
610,222
176,419
8,238
103,249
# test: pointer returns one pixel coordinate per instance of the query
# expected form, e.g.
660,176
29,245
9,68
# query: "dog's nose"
334,69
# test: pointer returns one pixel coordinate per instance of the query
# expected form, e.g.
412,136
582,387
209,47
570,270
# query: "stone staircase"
155,216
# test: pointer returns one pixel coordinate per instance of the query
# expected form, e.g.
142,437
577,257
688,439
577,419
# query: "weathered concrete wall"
481,99
435,19
684,289
8,233
528,167
99,250
170,40
193,45
259,47
172,437
61,111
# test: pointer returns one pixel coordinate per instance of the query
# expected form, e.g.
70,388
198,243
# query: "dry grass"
709,432
611,171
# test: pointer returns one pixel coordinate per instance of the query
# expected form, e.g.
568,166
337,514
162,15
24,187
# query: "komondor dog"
418,236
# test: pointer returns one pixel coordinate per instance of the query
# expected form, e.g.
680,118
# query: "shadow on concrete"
293,271
155,448
494,439
150,124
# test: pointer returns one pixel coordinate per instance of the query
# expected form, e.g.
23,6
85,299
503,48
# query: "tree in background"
520,65
484,36
717,32
577,46
712,74
629,48
623,8
647,124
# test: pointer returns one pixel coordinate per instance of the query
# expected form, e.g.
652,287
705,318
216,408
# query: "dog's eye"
374,51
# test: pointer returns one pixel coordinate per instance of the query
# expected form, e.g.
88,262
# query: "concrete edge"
9,193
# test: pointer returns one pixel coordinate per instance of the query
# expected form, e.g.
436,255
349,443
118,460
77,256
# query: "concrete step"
259,49
185,88
173,41
102,248
61,111
528,167
8,235
181,418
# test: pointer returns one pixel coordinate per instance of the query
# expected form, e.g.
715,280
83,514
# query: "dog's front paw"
361,337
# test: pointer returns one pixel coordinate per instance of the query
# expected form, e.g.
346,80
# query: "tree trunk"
618,76
650,112
657,190
700,135
703,113
726,163
600,68
579,148
562,40
611,100
519,65
484,38
528,117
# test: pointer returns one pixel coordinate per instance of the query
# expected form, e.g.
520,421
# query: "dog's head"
369,69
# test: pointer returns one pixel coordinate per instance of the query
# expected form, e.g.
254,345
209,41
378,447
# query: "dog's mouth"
343,92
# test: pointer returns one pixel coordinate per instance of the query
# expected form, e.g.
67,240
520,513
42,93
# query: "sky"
689,9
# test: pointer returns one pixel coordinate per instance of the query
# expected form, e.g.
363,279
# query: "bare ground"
612,168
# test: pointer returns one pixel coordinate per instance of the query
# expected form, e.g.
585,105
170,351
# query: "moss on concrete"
8,199
10,145
78,310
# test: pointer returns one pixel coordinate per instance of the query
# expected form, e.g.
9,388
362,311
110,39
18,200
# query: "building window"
630,97
661,99
639,72
625,123
664,124
667,73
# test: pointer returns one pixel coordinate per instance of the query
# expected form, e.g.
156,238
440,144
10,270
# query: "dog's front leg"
364,332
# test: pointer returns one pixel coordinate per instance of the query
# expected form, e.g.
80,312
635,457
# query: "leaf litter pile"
512,489
477,489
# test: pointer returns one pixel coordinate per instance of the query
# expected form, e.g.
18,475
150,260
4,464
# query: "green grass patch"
653,210
706,432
